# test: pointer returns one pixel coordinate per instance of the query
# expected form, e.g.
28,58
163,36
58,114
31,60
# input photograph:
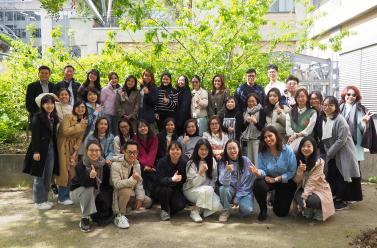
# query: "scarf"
350,114
98,166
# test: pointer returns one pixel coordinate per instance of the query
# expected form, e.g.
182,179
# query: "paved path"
21,225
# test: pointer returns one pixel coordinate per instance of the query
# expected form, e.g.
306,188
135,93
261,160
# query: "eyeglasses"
134,153
350,94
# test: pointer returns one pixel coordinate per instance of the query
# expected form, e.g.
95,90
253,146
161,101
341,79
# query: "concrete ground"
21,225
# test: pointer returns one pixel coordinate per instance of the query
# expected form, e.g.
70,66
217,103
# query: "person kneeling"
128,186
236,177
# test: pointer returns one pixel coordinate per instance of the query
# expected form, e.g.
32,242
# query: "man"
69,83
290,91
128,186
249,87
272,72
43,85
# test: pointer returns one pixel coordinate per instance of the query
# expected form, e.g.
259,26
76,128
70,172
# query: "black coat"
62,84
41,135
146,111
166,169
183,110
161,150
33,90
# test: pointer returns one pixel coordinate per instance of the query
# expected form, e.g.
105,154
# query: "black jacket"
162,150
41,135
183,110
33,90
166,169
146,111
62,84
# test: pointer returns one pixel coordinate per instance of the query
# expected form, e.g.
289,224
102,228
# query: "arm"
193,177
118,181
309,128
163,177
68,130
224,174
288,126
203,102
173,100
292,165
281,118
103,96
314,177
221,109
342,130
135,111
262,165
117,145
83,177
139,190
110,147
36,136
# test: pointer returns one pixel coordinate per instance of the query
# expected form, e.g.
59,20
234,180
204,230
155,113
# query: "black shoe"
54,190
340,205
84,225
262,215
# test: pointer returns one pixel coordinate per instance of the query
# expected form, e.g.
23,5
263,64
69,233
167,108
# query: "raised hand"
93,172
253,170
186,139
301,166
203,167
176,177
229,167
136,176
37,156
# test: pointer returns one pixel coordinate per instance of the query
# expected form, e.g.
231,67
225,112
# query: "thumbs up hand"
176,177
229,167
93,172
301,166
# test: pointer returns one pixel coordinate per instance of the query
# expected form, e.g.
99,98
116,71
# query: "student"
68,83
236,181
95,109
276,168
171,174
315,100
253,127
190,137
233,119
199,103
313,196
70,136
272,73
343,172
216,137
291,88
165,138
218,96
201,172
90,187
128,101
125,133
147,146
108,98
128,186
167,100
247,88
148,97
92,81
41,159
183,105
43,85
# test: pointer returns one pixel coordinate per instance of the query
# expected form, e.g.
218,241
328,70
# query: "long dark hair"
263,147
174,143
215,117
97,84
294,110
153,81
268,107
256,97
78,103
239,158
235,105
64,89
44,115
310,162
209,159
130,132
222,79
186,84
95,132
150,133
167,120
95,91
332,100
125,87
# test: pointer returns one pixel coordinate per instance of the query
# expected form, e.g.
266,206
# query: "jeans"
63,193
245,203
41,185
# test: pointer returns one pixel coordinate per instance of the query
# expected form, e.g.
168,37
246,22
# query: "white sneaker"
121,221
66,202
195,216
50,203
224,215
43,206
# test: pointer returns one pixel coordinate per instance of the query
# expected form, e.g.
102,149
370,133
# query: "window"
278,6
1,16
38,33
9,16
19,16
20,32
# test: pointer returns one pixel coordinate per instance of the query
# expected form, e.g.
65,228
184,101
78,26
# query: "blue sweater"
241,183
284,165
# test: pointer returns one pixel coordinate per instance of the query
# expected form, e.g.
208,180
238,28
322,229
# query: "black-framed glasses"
350,94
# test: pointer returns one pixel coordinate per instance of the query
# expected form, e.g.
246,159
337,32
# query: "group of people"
122,148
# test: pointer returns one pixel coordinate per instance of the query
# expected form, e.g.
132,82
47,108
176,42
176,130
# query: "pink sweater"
108,97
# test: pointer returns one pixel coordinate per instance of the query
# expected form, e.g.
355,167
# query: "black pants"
149,184
313,200
171,200
284,193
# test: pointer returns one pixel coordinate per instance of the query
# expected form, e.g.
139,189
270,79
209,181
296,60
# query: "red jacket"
147,151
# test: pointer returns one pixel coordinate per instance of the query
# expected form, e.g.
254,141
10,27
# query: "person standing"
108,98
272,72
199,104
69,83
148,97
92,81
217,97
290,91
183,105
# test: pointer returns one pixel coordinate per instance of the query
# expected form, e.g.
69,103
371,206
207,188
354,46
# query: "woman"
183,105
315,100
274,111
171,174
218,96
253,128
108,98
199,103
148,97
125,132
313,196
233,120
95,110
201,172
343,172
165,138
276,168
92,81
216,137
147,147
91,189
41,159
301,119
167,100
236,181
190,137
359,120
128,101
70,136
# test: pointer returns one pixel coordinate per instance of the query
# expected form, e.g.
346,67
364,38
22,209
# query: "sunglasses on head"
350,94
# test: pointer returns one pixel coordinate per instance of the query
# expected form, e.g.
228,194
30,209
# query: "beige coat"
70,135
121,178
317,184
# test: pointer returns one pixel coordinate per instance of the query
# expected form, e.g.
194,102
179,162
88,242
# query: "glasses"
328,105
94,150
130,153
350,94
